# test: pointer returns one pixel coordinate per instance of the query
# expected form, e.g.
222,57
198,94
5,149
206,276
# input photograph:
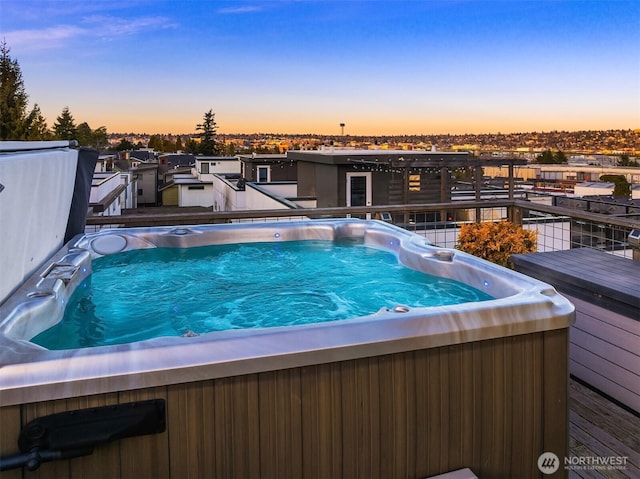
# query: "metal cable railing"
558,228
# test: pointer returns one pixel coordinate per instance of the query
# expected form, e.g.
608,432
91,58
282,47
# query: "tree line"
17,122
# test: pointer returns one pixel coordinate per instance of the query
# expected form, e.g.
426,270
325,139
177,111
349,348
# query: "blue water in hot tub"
149,293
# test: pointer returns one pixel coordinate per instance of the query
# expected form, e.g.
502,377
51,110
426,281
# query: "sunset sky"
305,66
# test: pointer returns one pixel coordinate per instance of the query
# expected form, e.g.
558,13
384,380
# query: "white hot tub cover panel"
34,209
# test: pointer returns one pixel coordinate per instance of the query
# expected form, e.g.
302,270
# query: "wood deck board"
605,414
598,428
585,475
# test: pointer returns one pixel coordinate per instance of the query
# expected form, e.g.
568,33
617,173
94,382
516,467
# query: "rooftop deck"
599,428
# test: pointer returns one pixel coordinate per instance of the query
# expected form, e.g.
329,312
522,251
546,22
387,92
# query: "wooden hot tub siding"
493,406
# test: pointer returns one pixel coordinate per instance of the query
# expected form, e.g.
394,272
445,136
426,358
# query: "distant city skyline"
615,142
378,67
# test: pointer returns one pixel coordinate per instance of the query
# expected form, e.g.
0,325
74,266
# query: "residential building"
337,177
183,188
111,192
207,166
590,188
105,163
175,160
144,154
582,173
193,186
147,183
268,168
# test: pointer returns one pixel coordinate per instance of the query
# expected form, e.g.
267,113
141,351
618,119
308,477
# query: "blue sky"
305,66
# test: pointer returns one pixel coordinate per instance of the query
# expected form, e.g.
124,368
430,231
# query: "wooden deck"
603,344
599,428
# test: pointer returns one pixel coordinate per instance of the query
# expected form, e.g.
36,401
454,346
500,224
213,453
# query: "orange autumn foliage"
496,242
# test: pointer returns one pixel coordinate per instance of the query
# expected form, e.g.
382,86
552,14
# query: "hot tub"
479,383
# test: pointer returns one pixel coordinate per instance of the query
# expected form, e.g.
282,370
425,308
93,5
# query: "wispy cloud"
95,26
42,38
125,26
240,10
110,25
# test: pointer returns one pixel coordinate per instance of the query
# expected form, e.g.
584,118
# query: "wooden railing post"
514,214
477,178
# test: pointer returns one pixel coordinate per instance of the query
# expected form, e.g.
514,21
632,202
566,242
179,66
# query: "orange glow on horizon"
155,122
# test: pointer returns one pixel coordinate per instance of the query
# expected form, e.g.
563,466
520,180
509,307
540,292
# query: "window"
414,182
263,174
139,191
197,187
204,168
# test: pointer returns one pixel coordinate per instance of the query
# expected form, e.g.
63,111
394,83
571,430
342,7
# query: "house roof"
399,158
596,184
189,180
145,166
267,158
142,155
216,158
181,170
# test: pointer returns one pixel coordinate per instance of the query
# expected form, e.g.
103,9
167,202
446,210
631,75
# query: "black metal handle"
32,460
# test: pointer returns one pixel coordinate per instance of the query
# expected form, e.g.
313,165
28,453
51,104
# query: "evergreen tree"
168,145
208,129
546,157
99,137
191,146
155,143
626,161
36,125
560,157
124,145
65,127
84,134
179,143
13,98
549,158
622,187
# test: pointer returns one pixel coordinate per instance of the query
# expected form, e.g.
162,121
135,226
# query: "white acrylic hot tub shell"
31,373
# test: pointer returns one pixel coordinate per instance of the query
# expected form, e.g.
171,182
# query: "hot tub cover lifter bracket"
76,433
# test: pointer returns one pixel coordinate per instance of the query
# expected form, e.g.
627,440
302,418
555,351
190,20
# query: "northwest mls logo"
548,463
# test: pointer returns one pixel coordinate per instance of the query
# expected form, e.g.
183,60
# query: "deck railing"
558,228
